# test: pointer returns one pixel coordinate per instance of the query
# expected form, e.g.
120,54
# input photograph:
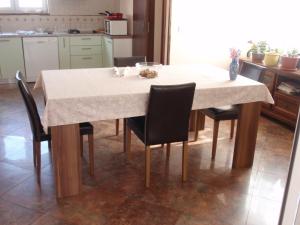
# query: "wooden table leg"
246,134
124,135
193,117
66,159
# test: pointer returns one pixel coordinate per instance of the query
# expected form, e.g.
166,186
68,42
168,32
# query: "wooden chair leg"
117,126
185,160
124,135
37,146
147,165
34,153
232,128
215,138
81,145
168,150
162,145
128,140
91,153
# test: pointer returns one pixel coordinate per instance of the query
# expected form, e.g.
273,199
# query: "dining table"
73,96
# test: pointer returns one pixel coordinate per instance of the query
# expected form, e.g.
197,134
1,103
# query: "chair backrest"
252,71
32,112
169,108
128,61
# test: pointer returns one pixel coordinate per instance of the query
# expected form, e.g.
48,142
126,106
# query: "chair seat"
137,124
223,113
86,128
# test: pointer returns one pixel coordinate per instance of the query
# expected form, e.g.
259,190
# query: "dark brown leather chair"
249,70
166,121
123,62
38,133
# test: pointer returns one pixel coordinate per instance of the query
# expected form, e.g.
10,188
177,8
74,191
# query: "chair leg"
168,150
91,153
34,153
37,146
232,129
147,166
81,145
162,145
215,138
117,126
185,152
128,139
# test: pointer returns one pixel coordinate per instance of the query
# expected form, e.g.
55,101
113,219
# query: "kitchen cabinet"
286,106
64,52
115,47
86,52
40,53
11,58
108,60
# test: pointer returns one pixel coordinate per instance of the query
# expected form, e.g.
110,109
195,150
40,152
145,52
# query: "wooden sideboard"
286,106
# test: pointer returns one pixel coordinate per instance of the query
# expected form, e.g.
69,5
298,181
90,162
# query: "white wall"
126,7
82,7
203,31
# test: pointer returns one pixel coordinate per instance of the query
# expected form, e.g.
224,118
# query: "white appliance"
116,27
40,53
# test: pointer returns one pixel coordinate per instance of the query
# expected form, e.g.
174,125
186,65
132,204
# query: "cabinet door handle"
87,58
64,42
85,39
86,48
4,40
41,42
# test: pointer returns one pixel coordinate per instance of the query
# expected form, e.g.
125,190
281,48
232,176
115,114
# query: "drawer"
86,40
86,50
286,104
92,61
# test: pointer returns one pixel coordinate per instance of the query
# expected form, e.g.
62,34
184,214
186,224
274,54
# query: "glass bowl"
148,69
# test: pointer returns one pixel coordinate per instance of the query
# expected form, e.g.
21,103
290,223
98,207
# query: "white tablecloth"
81,95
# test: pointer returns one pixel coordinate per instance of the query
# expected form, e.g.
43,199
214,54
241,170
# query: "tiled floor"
214,193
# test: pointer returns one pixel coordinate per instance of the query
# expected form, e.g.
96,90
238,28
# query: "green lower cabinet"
11,58
64,52
86,61
108,52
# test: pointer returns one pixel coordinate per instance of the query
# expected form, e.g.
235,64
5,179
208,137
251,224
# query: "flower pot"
257,57
271,59
289,63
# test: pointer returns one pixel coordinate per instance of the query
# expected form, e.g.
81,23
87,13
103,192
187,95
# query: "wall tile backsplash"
12,23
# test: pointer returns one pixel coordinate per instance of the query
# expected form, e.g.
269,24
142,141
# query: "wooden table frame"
67,159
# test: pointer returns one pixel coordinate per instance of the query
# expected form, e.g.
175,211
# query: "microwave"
115,27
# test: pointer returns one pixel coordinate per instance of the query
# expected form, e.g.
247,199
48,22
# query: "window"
23,6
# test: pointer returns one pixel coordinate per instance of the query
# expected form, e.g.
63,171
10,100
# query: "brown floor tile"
10,176
134,212
30,195
15,214
263,212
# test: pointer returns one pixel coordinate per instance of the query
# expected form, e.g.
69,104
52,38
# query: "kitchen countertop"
59,34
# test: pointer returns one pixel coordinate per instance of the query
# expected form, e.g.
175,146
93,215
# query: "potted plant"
257,51
271,57
290,60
